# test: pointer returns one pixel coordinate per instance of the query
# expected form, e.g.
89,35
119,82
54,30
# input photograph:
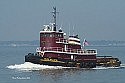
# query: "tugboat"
58,50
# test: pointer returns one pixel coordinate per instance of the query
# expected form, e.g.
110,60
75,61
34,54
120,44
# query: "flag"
85,42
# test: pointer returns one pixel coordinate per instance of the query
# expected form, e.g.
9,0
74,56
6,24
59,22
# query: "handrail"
61,40
69,50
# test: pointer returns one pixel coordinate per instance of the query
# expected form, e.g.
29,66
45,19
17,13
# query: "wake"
30,66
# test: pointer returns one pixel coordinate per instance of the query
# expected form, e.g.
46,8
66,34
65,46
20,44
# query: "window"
41,35
50,35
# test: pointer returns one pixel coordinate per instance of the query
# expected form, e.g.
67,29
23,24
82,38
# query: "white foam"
31,66
122,65
99,68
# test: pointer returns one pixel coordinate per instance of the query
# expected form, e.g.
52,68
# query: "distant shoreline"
36,43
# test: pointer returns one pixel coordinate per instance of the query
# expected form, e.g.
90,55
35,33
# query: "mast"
54,18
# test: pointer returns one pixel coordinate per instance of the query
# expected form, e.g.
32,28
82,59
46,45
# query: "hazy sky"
92,19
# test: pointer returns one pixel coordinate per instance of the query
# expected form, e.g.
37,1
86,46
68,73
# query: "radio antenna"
54,18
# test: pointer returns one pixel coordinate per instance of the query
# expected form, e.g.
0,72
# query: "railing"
62,40
69,50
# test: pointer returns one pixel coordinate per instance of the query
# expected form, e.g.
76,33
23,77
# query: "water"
13,69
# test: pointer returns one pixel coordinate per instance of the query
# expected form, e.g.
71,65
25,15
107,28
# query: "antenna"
54,18
73,30
69,29
61,26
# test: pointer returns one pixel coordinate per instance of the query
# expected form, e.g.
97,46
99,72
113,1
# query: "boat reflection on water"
57,74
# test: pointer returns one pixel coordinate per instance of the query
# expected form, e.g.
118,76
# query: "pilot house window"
51,35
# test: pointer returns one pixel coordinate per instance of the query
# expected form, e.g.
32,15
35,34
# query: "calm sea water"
13,69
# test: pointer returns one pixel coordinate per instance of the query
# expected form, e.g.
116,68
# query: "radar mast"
54,18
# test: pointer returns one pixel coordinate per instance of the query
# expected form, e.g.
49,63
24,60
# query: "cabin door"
73,57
